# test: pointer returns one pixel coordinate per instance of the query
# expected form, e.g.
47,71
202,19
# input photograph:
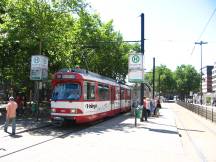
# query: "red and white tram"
82,96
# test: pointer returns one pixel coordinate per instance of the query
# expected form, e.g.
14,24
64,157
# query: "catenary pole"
201,43
153,93
142,52
142,84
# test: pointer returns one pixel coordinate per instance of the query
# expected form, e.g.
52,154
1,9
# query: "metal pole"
159,84
142,52
142,84
201,73
201,94
153,93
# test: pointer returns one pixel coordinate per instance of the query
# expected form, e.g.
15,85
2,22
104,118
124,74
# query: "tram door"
122,100
112,97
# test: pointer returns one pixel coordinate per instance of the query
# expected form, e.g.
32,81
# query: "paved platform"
114,140
23,124
154,141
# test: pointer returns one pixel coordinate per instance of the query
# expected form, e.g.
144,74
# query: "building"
214,78
207,79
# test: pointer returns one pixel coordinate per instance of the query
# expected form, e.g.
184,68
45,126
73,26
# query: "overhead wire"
204,29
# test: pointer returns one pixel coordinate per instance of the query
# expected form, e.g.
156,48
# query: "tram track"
62,133
29,130
59,132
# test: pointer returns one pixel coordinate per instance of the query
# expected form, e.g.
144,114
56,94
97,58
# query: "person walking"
11,115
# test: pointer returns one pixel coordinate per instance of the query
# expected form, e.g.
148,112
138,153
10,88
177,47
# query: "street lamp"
201,43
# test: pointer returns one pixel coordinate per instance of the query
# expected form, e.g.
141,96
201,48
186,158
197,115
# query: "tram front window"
67,91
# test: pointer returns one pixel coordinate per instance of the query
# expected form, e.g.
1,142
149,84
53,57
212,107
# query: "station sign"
39,67
135,61
135,76
135,68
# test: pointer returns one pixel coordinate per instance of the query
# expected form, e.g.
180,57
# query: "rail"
209,112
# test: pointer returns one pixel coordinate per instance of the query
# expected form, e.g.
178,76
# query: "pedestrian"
158,106
214,102
20,106
11,115
152,107
144,112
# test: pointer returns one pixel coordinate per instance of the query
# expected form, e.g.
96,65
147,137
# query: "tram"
82,96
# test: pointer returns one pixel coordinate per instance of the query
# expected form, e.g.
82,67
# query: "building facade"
214,78
207,79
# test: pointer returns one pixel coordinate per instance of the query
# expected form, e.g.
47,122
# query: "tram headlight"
73,111
53,110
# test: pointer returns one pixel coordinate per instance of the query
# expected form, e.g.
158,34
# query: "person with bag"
11,115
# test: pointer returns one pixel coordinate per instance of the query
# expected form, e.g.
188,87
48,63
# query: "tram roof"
91,75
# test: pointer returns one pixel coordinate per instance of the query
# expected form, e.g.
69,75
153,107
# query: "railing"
209,112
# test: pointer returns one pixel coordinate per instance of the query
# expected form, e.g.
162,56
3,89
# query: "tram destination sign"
39,67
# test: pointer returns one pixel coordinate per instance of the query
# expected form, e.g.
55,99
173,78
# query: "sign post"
39,71
39,67
135,73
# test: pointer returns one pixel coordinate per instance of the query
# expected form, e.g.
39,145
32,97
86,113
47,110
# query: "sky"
171,29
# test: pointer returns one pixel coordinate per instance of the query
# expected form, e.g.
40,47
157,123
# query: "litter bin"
138,111
33,107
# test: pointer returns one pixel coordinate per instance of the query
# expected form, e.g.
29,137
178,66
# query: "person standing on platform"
158,106
11,115
144,112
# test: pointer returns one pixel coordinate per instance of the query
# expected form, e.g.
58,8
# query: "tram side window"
103,91
89,91
117,93
127,94
122,94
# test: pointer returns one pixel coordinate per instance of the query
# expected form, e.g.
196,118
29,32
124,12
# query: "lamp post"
201,43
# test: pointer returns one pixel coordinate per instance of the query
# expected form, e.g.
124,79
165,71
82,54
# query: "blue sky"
171,28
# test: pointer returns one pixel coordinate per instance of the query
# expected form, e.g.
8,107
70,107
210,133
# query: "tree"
187,79
32,27
65,32
164,80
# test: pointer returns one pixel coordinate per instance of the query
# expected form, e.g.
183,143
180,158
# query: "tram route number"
91,106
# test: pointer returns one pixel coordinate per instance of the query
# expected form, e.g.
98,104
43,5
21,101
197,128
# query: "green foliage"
180,82
187,79
62,30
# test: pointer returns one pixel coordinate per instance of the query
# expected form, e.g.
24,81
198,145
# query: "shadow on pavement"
116,123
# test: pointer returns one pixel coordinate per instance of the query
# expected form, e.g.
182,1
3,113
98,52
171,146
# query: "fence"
209,112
